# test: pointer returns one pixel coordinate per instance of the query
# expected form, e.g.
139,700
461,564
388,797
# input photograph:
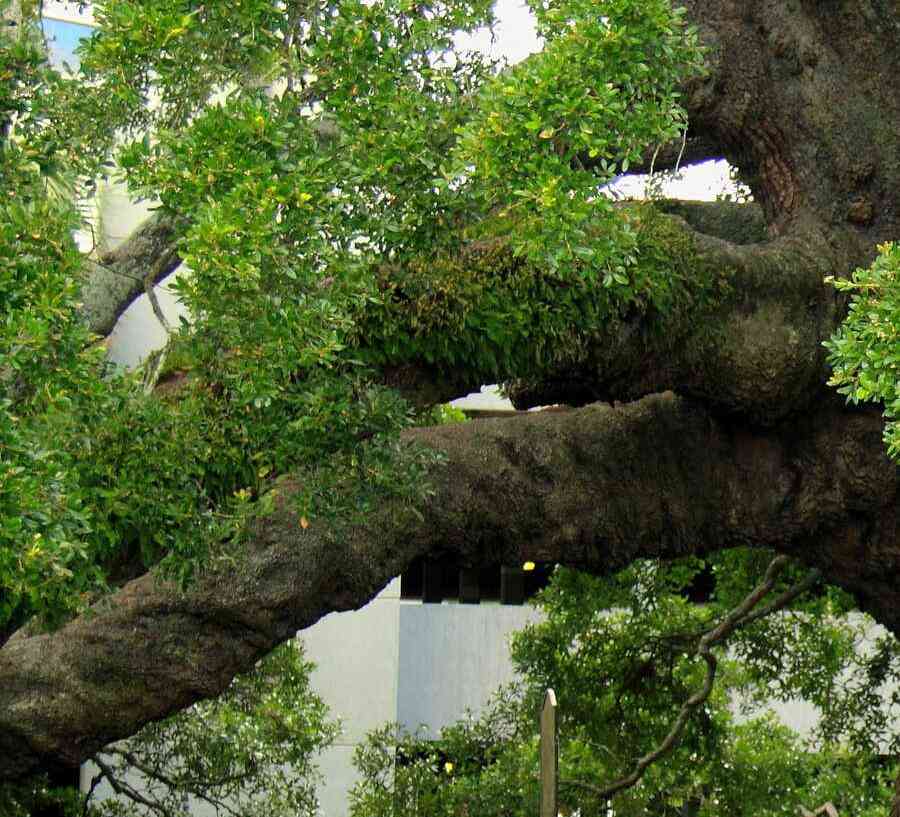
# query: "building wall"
452,658
356,655
419,665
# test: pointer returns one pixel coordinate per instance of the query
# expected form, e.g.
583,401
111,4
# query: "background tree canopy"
620,652
376,221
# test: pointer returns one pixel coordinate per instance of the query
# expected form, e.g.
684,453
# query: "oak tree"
376,222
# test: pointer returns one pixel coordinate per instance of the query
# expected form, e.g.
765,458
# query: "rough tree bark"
722,434
120,277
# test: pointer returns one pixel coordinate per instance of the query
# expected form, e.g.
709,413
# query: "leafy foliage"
551,130
250,751
50,377
864,351
620,654
324,157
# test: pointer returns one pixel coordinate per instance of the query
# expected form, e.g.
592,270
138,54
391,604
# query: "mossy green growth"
498,315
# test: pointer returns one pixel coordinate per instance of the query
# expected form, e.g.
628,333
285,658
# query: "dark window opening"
434,580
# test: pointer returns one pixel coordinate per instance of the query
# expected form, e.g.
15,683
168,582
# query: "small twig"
93,236
294,17
681,152
653,160
650,174
149,285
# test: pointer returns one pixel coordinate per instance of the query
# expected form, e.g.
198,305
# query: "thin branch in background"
650,174
126,790
826,809
294,19
96,780
87,223
173,785
153,366
155,360
742,615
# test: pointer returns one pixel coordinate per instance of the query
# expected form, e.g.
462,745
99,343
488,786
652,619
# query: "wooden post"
549,756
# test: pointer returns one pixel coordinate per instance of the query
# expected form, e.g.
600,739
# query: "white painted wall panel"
452,658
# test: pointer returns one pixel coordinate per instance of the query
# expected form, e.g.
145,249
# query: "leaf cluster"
863,352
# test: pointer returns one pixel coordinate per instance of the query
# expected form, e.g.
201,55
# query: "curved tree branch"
743,330
740,616
123,275
124,789
155,774
592,488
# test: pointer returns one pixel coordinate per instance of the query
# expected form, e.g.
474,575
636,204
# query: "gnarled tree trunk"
722,431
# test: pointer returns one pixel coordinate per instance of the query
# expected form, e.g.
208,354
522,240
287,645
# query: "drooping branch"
742,615
119,277
593,488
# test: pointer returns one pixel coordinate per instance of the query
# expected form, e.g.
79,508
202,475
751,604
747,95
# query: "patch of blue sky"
62,39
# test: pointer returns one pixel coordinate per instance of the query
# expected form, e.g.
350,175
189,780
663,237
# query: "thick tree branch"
593,488
740,326
754,351
791,103
743,329
123,275
767,459
737,223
